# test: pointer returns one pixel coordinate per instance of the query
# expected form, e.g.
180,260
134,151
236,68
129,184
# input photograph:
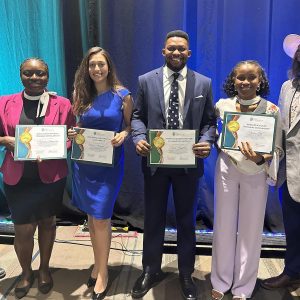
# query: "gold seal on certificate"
158,143
25,136
256,129
43,141
79,139
233,126
93,146
172,148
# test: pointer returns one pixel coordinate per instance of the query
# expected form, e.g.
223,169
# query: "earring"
258,88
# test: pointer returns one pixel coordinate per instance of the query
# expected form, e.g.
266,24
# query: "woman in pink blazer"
34,190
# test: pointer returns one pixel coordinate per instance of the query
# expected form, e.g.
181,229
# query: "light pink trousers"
240,202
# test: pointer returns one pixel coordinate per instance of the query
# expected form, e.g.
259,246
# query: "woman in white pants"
241,187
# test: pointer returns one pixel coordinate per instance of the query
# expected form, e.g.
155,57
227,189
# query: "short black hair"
178,33
295,70
35,58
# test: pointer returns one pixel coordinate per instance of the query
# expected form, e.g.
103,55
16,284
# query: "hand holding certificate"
40,142
172,148
93,146
256,129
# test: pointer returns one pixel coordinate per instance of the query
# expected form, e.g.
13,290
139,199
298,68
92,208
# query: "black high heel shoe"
23,291
99,296
91,282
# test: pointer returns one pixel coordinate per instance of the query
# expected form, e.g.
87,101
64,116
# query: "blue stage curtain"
222,32
84,21
31,28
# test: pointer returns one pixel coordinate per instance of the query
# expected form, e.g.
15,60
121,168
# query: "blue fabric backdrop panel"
134,33
31,28
285,20
226,32
222,33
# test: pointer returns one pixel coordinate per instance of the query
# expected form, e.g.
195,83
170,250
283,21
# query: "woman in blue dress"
100,102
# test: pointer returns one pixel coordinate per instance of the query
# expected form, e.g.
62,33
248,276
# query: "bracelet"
261,162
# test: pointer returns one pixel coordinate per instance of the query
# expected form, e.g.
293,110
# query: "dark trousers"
157,188
291,219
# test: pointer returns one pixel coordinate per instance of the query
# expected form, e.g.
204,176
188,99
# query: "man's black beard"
173,68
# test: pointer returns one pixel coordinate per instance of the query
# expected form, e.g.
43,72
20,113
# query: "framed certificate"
172,148
43,141
256,129
93,146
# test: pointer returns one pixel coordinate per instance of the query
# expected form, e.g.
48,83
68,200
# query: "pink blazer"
59,112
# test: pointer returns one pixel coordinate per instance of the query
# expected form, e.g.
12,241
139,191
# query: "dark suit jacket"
149,109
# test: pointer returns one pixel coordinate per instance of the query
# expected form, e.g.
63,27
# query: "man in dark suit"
152,111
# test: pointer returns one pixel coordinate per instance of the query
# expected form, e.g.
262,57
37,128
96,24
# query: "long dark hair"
84,88
294,72
264,87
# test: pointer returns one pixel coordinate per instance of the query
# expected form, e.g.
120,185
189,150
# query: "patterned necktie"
173,110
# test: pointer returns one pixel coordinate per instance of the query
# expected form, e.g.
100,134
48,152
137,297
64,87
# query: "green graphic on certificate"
157,147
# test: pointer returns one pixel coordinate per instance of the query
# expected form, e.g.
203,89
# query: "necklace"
33,98
248,102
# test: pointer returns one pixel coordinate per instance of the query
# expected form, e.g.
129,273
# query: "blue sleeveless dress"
95,188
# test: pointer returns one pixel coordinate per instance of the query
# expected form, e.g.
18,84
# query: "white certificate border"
158,165
17,134
226,113
90,162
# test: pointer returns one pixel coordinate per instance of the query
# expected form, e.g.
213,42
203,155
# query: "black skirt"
31,200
